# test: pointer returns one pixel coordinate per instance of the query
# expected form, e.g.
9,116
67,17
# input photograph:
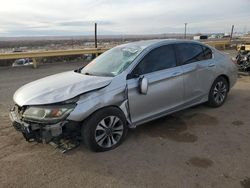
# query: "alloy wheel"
109,131
220,91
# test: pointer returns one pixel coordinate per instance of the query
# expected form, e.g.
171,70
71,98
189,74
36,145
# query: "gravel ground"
197,147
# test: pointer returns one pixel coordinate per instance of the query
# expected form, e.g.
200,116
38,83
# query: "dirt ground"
197,147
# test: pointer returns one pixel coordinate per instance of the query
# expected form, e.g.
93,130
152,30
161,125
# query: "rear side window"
207,53
158,59
189,53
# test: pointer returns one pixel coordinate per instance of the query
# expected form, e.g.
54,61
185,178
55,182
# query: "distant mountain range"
89,37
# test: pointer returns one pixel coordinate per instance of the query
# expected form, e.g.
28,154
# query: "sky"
121,17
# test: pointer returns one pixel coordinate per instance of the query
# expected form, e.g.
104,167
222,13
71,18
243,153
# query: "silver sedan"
124,87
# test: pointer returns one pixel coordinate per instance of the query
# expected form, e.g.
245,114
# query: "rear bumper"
35,131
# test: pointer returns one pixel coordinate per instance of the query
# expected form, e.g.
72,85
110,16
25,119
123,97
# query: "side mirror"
143,85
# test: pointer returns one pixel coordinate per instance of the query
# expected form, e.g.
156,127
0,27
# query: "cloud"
84,23
46,17
2,31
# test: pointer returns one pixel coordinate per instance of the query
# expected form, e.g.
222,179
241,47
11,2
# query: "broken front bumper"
35,131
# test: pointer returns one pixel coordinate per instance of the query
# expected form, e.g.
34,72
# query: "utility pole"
232,31
185,33
95,35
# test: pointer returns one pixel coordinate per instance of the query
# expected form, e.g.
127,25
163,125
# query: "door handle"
211,65
176,73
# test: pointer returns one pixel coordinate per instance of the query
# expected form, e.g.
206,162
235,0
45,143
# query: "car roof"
143,44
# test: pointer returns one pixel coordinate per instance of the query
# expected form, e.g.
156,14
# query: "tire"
218,92
105,129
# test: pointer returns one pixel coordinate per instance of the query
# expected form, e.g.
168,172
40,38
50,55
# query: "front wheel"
218,92
105,129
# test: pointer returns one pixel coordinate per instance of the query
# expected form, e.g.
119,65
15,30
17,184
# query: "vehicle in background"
243,57
244,47
201,37
88,57
124,87
22,62
17,50
20,49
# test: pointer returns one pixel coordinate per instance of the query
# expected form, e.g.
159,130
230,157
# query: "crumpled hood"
58,88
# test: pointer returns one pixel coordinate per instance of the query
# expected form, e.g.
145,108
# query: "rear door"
165,89
197,70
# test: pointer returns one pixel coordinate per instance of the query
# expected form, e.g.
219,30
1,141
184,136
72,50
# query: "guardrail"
55,53
218,44
51,53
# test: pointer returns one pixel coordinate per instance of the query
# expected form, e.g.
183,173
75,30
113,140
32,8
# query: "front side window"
158,59
112,62
189,53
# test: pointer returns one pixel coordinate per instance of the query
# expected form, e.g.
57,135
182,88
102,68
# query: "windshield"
112,62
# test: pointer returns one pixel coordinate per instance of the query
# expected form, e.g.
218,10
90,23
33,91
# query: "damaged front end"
46,124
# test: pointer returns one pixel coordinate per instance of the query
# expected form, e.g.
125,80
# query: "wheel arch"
105,107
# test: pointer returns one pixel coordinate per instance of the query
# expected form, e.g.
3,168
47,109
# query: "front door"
165,85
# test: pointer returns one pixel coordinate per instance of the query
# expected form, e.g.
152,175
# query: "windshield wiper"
79,70
87,73
98,74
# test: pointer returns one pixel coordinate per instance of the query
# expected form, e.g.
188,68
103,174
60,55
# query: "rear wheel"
218,92
105,129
